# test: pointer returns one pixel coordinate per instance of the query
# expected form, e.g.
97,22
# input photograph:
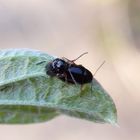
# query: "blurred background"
107,29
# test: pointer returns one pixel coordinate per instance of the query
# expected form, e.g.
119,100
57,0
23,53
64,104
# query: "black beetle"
68,71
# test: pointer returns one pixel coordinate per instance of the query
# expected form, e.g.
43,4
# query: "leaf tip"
112,121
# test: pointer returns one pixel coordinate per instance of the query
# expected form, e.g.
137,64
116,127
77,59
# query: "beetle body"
68,71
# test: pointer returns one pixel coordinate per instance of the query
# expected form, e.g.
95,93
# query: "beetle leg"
72,77
65,75
65,78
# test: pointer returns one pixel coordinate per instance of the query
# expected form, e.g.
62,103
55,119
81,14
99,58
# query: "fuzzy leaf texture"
29,95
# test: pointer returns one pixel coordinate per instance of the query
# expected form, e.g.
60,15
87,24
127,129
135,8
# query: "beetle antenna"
99,68
72,61
79,56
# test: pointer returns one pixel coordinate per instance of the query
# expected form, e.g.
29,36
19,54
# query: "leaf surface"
28,95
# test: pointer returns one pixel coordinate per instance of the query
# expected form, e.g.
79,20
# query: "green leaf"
28,95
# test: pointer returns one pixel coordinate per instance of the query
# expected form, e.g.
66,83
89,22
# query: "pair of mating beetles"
68,71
